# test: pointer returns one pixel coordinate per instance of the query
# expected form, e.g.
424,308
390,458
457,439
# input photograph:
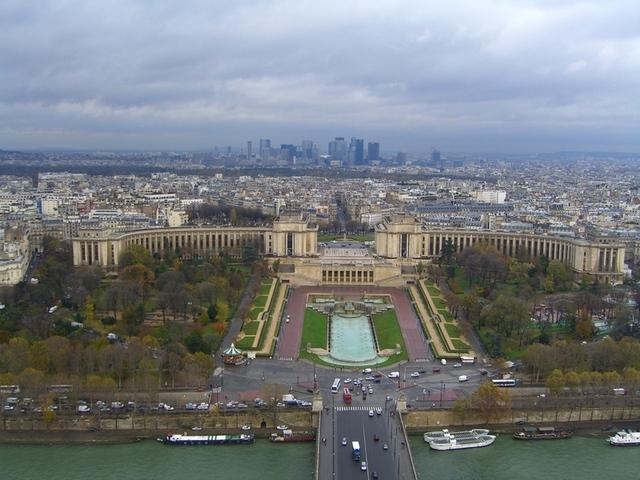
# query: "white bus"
504,382
467,359
336,386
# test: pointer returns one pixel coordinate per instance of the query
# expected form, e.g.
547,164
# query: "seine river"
583,458
579,457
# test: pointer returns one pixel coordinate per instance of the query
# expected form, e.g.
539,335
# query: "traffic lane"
358,426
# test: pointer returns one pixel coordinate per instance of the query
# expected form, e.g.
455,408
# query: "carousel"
233,356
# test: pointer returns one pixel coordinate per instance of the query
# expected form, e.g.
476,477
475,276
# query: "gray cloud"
464,75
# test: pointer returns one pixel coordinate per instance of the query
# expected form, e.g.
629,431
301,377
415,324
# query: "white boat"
625,439
461,443
429,436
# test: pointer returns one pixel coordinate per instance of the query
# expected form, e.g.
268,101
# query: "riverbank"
69,437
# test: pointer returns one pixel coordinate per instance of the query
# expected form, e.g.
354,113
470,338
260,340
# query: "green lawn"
459,344
387,330
254,312
260,301
265,287
433,290
452,330
251,328
446,314
367,237
246,342
439,303
314,330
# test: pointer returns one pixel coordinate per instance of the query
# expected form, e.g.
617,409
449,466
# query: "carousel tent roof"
232,350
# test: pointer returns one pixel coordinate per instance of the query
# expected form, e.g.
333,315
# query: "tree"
461,408
222,314
509,316
490,401
135,254
584,326
559,274
447,251
555,382
140,276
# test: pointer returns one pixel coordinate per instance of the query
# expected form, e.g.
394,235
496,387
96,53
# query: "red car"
435,369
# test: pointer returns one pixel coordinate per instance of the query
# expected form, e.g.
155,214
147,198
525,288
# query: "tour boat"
290,436
625,438
177,439
447,434
461,440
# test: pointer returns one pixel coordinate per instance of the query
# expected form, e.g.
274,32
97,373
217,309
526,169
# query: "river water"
152,460
581,458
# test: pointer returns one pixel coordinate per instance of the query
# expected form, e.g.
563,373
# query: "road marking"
357,409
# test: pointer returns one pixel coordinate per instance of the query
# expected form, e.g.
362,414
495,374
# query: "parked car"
415,375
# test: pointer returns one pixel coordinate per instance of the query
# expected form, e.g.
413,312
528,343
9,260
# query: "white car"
371,413
457,365
363,466
344,441
282,427
415,375
246,427
347,380
202,406
378,411
367,370
287,320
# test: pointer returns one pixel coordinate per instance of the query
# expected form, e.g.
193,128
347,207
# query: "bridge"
378,429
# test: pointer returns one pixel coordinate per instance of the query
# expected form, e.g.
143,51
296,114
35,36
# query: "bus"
504,382
60,388
346,395
336,386
355,451
467,359
12,389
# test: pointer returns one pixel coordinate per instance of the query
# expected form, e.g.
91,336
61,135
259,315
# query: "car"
483,371
363,466
344,441
376,437
378,411
83,409
203,406
374,474
190,406
435,370
246,427
393,375
366,370
370,391
287,320
457,365
371,413
385,446
388,398
415,375
347,381
282,427
369,378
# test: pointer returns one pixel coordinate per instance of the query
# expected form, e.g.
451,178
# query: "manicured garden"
314,330
387,330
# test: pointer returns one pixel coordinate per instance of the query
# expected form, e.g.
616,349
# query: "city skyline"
473,76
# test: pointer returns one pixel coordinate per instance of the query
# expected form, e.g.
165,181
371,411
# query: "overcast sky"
500,76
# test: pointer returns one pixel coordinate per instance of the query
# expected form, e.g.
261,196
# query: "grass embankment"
258,306
387,330
314,330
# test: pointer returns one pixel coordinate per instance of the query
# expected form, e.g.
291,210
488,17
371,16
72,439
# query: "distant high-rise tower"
307,148
265,149
338,148
401,158
435,158
373,151
249,149
356,151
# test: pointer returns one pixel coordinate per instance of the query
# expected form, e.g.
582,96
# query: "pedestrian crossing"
359,408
